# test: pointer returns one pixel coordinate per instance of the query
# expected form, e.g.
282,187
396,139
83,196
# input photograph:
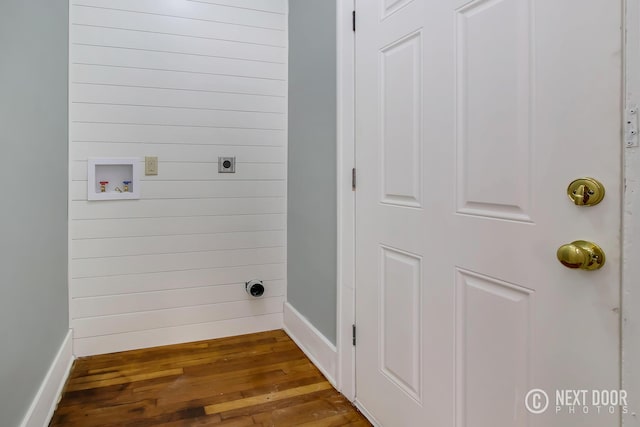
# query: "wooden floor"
252,380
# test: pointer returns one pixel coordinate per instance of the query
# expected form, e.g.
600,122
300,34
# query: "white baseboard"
43,405
316,346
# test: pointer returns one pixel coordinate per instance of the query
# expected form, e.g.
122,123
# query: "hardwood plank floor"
260,379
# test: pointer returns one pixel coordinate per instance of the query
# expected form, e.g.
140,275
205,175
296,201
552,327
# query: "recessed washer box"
118,177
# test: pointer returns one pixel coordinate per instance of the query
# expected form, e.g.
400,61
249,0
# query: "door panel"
401,130
400,322
494,144
472,117
496,313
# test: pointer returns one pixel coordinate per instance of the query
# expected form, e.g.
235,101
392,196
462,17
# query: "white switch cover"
151,165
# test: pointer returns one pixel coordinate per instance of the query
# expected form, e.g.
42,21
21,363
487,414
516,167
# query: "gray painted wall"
312,163
33,206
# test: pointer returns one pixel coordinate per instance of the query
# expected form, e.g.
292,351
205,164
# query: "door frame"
630,292
346,200
345,139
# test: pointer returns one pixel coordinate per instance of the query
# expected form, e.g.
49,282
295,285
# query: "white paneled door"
472,118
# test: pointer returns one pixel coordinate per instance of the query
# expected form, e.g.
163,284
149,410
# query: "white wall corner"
316,346
46,399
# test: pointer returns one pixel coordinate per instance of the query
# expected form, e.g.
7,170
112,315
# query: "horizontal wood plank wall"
186,81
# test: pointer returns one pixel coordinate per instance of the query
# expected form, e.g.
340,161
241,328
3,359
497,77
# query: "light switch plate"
151,165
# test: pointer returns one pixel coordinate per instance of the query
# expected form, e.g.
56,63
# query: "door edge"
630,293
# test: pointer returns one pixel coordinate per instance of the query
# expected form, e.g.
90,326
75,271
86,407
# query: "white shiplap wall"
186,81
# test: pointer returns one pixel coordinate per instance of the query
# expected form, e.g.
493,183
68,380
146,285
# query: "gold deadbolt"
586,191
581,254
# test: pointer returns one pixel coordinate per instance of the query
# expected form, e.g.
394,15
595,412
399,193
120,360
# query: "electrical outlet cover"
151,165
226,165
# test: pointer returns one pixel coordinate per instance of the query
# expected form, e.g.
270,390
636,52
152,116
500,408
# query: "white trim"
46,399
631,226
345,138
311,341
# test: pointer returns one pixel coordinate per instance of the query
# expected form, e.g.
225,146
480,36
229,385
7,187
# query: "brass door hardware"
586,191
581,254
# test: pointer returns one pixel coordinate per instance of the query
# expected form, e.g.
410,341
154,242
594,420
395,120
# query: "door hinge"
631,127
353,179
353,20
353,334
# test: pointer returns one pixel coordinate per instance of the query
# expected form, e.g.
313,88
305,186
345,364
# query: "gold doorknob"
586,191
581,254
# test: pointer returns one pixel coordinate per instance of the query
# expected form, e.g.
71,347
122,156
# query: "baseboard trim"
316,346
45,401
